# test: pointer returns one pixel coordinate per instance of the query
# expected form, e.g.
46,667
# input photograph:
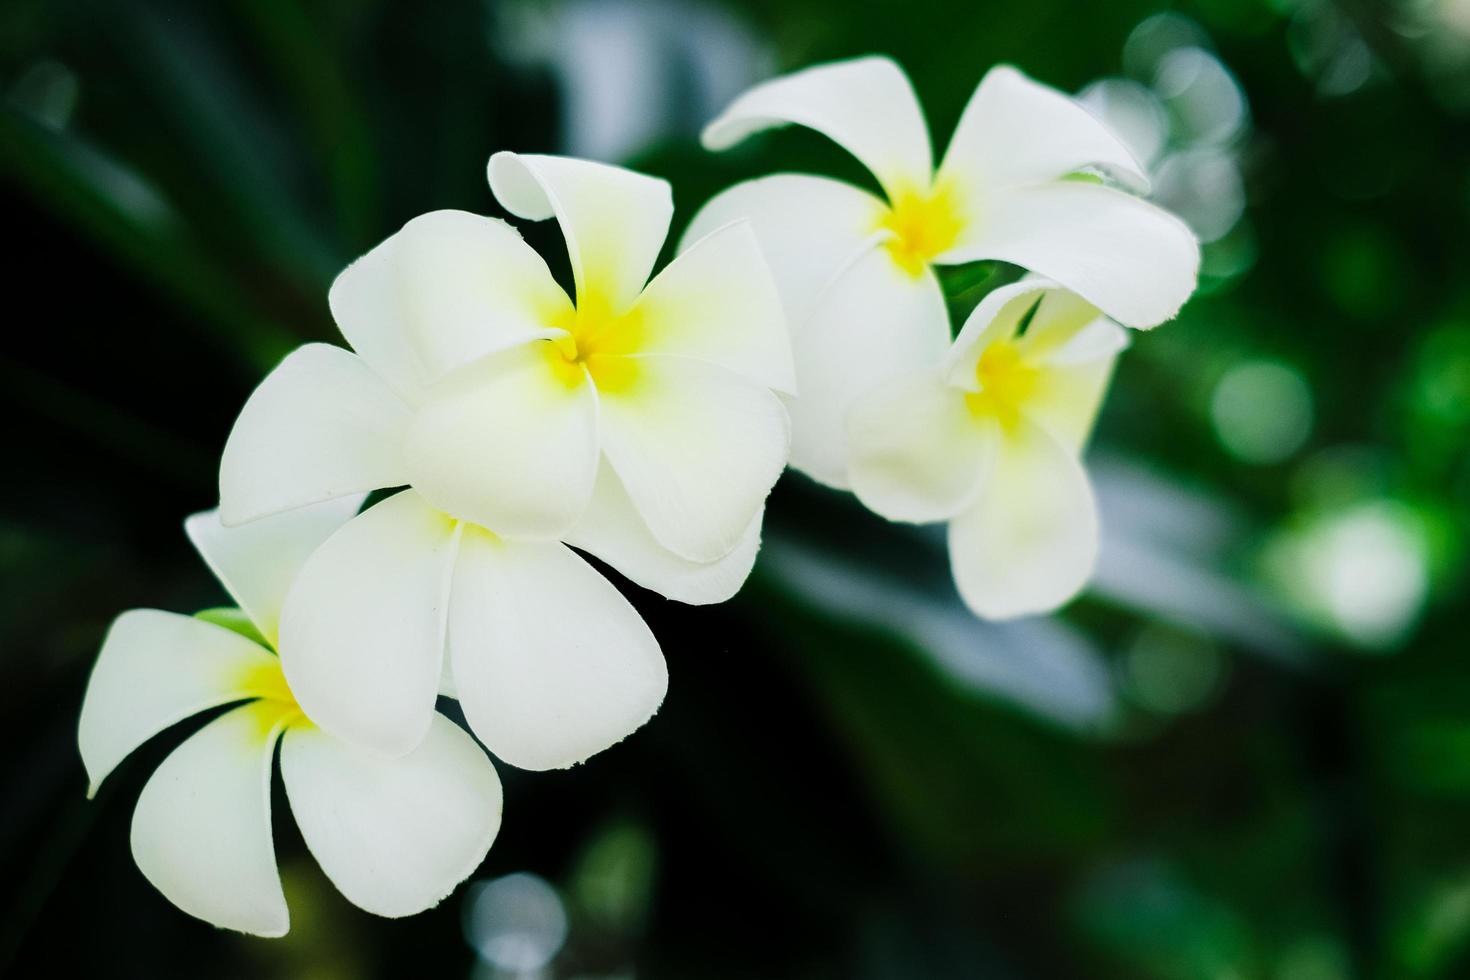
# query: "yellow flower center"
598,340
1006,382
276,704
924,225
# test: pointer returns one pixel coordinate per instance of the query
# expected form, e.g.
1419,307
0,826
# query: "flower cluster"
503,423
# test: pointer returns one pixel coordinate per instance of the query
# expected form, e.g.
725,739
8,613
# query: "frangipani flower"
395,835
856,270
639,425
990,439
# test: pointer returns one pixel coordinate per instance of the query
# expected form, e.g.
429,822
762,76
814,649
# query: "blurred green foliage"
1245,754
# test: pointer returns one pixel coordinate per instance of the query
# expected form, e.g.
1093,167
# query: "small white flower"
990,440
395,835
638,424
855,270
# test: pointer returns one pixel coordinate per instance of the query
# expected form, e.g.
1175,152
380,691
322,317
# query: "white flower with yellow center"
395,835
856,270
638,424
990,440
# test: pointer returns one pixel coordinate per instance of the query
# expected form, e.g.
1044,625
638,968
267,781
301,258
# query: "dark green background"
842,782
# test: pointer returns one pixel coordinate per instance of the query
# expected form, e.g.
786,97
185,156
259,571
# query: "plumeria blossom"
638,423
990,439
395,835
1019,183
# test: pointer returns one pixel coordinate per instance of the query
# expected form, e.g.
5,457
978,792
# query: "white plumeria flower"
990,440
638,424
856,271
395,835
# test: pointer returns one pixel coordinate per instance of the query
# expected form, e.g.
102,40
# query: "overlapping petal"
1029,541
1134,261
509,442
256,562
717,302
697,448
614,220
614,531
321,425
551,663
875,322
865,105
448,288
810,229
917,452
394,835
157,668
362,631
1015,131
202,829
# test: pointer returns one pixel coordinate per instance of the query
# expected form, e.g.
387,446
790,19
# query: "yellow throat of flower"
598,340
924,224
276,704
1006,381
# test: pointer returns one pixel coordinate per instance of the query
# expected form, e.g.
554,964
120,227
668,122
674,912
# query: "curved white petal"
1029,542
917,452
875,322
202,829
614,220
321,425
1018,131
614,531
1132,260
810,229
394,835
865,105
697,447
551,662
362,631
509,443
717,302
447,288
257,562
1067,329
157,668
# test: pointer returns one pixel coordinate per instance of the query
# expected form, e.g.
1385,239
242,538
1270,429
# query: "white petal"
257,562
697,448
202,829
614,531
865,105
1029,542
362,632
509,443
394,835
1067,329
614,220
1068,396
1134,261
552,663
156,669
448,288
917,451
321,425
809,228
1017,131
875,322
717,302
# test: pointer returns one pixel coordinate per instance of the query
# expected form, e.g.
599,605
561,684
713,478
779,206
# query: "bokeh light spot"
1262,411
